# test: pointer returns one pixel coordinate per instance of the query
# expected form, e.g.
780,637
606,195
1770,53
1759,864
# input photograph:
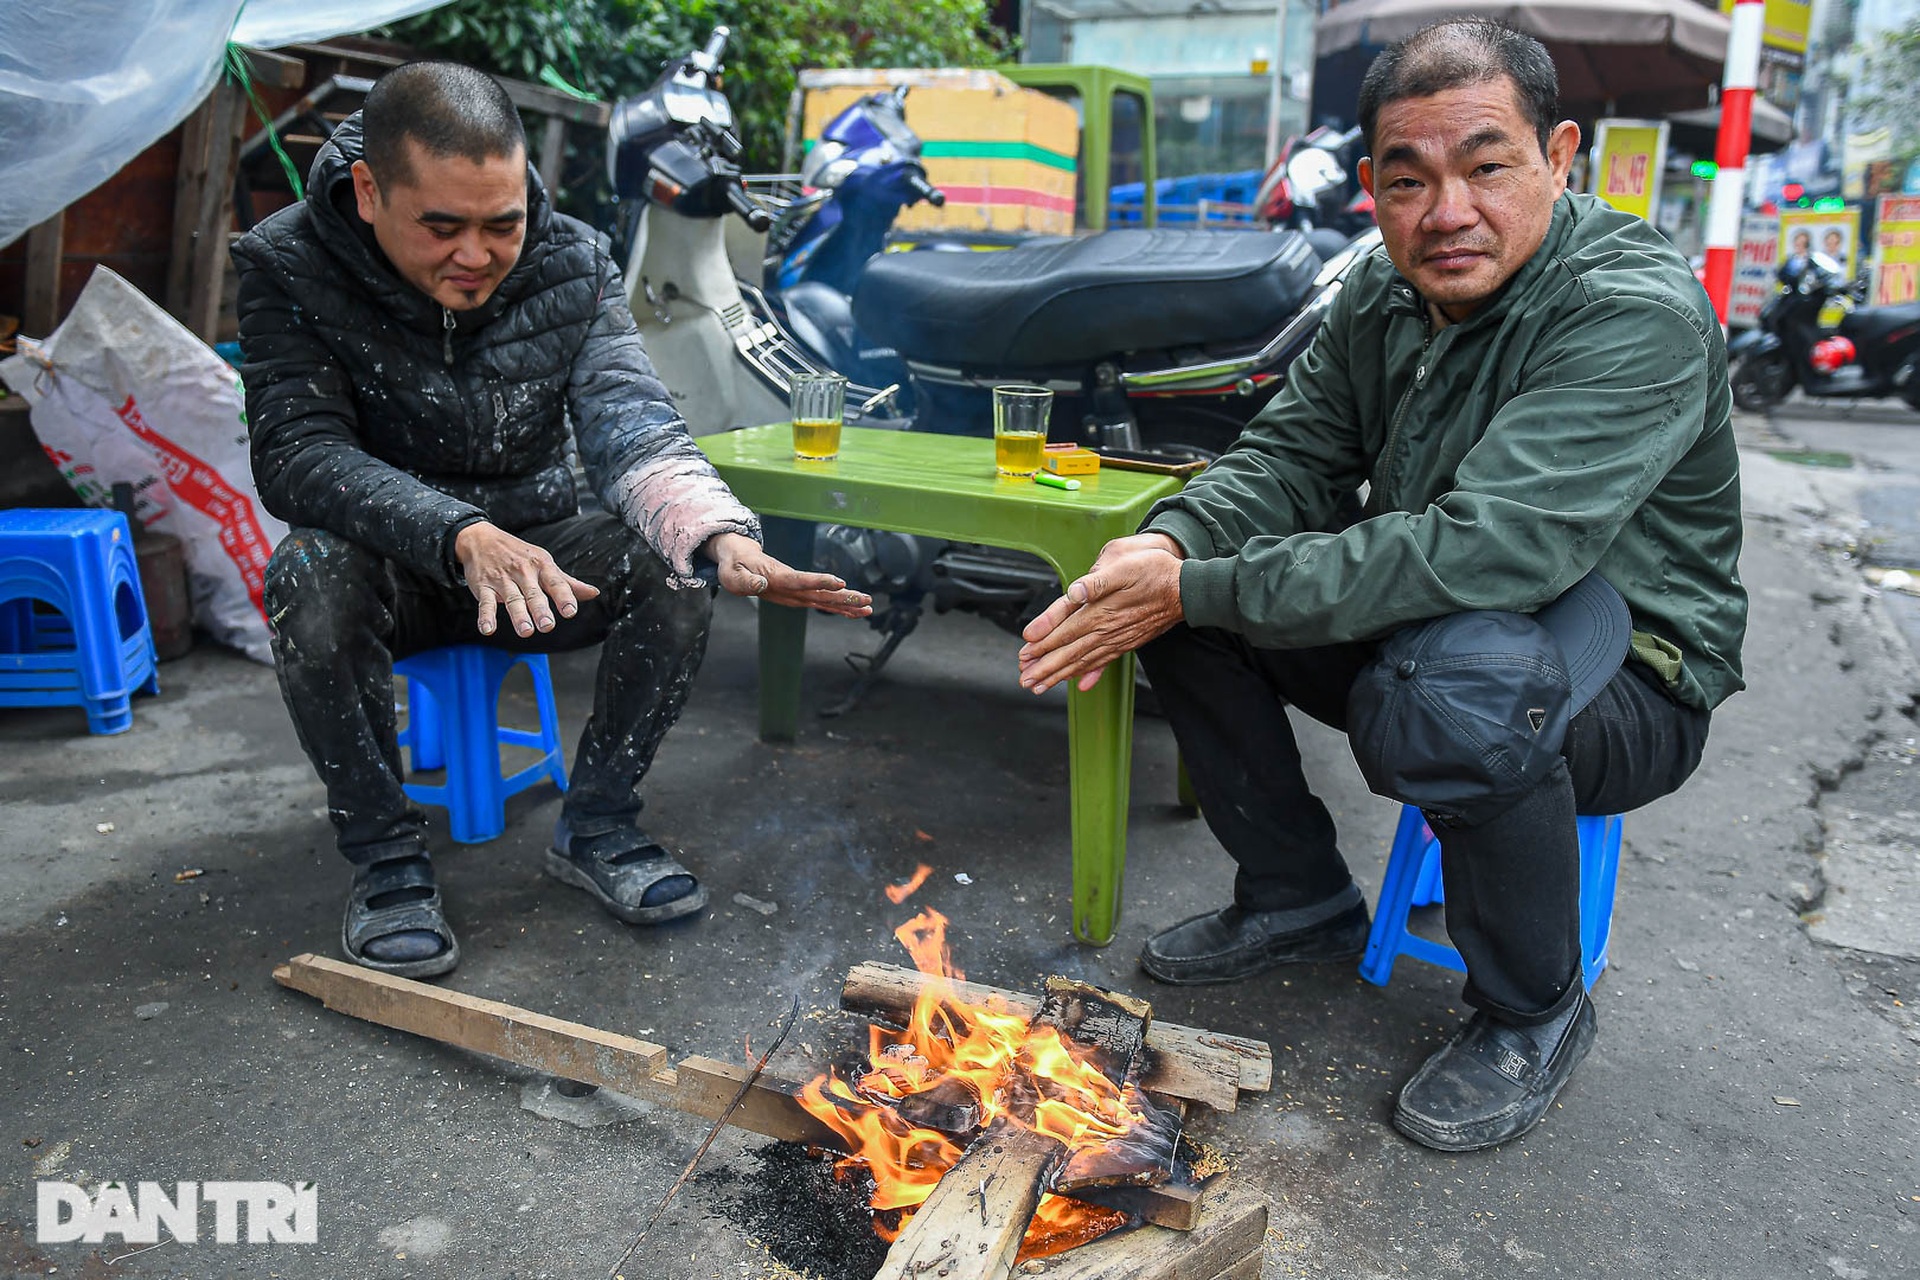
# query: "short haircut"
448,108
1457,53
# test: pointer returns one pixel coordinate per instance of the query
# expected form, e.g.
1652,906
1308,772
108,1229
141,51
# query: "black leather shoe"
1232,943
1493,1081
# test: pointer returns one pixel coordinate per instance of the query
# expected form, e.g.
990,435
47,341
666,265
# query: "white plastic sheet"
87,85
268,24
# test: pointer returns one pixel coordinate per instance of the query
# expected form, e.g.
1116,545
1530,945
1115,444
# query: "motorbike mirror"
1312,171
830,176
707,60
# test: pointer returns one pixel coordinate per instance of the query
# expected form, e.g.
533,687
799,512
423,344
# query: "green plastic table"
941,486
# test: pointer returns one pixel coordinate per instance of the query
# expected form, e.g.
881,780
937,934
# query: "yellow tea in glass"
818,402
816,439
1020,429
1018,453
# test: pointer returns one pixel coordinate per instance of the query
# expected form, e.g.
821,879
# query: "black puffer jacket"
379,415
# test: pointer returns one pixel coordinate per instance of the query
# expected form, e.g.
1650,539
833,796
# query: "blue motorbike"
862,172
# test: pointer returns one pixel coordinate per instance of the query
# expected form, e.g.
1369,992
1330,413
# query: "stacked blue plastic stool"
1413,880
453,722
97,651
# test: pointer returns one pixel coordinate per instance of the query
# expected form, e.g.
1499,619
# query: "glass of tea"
819,405
1020,429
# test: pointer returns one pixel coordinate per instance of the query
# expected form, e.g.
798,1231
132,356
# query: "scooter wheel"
1762,381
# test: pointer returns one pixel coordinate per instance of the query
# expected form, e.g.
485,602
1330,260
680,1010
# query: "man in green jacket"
1533,390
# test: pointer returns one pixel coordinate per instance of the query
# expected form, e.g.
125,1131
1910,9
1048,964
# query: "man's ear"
1365,171
366,193
1562,144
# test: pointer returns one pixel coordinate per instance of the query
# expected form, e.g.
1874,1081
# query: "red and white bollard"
1742,74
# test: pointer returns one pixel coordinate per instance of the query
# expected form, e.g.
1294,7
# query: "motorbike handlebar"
748,208
927,191
716,44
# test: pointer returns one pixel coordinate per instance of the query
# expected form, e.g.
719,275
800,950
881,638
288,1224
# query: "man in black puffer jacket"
424,339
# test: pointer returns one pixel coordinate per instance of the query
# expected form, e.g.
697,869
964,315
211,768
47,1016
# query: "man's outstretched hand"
747,570
507,572
1130,596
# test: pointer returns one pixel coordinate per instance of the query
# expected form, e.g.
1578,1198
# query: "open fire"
925,1093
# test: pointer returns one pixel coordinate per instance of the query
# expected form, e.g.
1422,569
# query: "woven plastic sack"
122,392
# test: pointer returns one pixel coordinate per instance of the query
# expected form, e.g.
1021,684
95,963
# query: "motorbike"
1315,184
864,169
1159,343
1875,351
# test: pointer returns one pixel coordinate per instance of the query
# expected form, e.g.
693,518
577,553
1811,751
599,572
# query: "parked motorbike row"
1874,353
1162,343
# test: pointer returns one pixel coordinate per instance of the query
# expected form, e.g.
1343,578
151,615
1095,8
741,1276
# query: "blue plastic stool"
1413,880
453,722
97,651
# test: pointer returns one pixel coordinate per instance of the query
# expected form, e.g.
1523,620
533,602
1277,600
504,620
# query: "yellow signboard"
1785,26
1896,268
1835,233
1627,158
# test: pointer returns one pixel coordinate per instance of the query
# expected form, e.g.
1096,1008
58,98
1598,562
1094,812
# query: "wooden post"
46,247
553,154
214,215
192,176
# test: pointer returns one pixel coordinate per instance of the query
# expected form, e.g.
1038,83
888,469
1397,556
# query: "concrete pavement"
1752,1108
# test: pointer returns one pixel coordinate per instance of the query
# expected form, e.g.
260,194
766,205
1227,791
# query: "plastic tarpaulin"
87,85
268,24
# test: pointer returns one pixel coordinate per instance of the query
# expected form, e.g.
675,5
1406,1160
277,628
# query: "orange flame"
899,893
973,1059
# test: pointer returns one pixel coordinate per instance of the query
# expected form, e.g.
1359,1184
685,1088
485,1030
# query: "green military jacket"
1580,420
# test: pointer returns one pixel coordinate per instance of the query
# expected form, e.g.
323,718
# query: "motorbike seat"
1878,324
1072,301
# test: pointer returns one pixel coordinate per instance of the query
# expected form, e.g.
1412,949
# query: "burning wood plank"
970,1228
1182,1062
1007,1168
1225,1244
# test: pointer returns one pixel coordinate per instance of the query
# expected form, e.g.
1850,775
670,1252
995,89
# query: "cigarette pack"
1072,462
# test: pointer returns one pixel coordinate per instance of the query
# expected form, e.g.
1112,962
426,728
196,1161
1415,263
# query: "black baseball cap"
1462,715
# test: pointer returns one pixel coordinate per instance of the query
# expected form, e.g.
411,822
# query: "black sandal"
621,870
397,896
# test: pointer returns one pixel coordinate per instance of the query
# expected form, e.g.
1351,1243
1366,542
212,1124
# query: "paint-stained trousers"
342,615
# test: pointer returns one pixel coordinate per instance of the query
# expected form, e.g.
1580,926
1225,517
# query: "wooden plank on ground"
1199,1066
1248,1268
970,1228
1230,1228
46,249
566,1049
704,1087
